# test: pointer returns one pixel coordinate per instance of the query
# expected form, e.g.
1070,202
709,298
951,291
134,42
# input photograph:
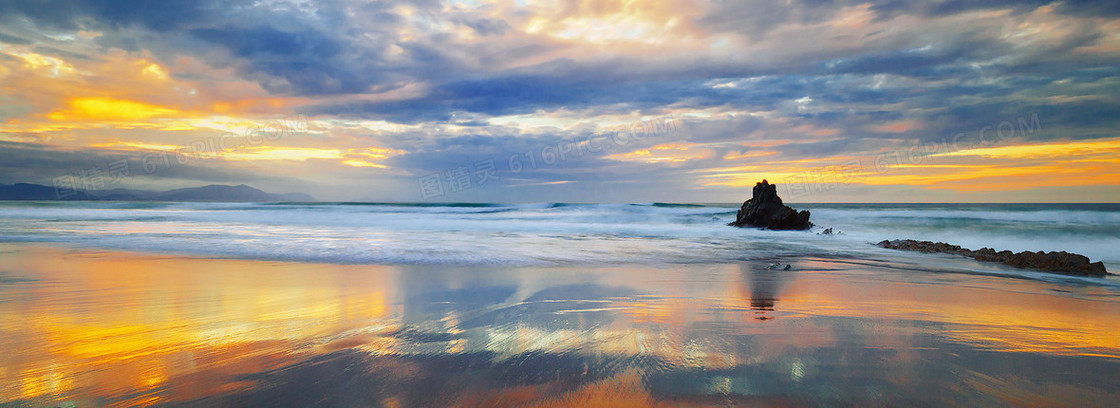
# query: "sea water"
552,234
125,304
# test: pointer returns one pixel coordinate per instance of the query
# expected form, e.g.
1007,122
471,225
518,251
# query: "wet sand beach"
100,328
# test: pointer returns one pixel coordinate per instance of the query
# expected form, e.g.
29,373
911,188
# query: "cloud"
756,19
11,39
306,60
37,163
950,7
778,84
484,26
158,15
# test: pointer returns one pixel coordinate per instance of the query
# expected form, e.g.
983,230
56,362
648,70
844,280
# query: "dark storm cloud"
522,174
158,15
310,62
950,7
573,87
11,39
310,53
827,148
497,96
941,61
328,52
958,75
484,26
34,163
1090,8
756,19
500,145
948,66
1071,120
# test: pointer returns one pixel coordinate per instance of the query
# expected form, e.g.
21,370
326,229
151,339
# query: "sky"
567,101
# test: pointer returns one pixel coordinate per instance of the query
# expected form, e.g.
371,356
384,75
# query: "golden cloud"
101,109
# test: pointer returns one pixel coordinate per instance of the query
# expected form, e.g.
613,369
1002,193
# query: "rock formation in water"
765,210
1057,262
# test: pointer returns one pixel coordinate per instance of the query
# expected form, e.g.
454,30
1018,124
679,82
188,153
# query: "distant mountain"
214,192
26,191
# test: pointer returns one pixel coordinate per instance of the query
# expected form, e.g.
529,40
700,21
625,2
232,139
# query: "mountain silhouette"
213,192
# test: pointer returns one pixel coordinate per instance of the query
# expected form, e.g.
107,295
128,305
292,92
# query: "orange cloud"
748,179
901,126
52,66
122,90
747,155
368,157
1057,150
1003,168
665,153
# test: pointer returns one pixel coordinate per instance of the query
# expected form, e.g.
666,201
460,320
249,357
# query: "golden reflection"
995,318
120,323
147,329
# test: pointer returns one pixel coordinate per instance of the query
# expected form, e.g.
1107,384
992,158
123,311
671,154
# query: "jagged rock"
765,210
1058,262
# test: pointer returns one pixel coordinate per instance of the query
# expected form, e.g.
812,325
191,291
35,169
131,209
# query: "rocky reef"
765,210
1056,262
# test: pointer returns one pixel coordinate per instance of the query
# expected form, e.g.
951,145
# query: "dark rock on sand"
1057,262
765,210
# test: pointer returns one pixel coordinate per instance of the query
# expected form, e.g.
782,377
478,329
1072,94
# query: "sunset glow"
454,84
559,203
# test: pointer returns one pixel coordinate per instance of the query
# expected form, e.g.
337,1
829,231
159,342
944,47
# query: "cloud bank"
574,100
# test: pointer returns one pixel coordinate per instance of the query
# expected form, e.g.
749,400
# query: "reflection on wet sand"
764,285
94,329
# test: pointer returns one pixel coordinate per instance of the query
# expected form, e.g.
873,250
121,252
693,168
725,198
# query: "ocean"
554,234
552,304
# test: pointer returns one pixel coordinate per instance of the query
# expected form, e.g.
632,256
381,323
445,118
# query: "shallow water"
99,328
549,234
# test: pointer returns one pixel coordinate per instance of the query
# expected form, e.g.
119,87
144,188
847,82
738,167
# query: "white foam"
534,234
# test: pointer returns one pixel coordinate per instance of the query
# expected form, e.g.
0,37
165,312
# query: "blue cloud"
955,78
